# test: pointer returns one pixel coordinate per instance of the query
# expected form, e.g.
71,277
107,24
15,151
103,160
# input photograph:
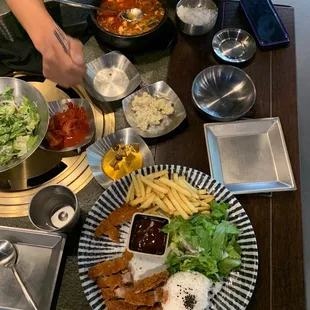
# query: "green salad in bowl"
19,119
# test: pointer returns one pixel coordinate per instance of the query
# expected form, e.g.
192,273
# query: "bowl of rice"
196,17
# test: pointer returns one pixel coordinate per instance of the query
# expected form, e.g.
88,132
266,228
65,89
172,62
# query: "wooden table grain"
277,220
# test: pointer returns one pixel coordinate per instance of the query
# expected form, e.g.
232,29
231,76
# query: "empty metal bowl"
111,77
60,106
234,45
96,152
54,208
197,28
224,93
163,89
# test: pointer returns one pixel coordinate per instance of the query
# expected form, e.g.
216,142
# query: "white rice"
197,16
187,291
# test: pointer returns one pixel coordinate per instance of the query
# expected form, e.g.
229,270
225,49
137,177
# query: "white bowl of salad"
23,121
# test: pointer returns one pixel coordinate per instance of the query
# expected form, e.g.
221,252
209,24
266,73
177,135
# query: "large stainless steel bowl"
23,89
224,93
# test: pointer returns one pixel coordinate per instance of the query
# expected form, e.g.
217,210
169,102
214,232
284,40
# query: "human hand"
59,67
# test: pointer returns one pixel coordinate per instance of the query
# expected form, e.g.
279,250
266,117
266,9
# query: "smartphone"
266,23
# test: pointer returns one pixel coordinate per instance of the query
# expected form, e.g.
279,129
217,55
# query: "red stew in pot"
153,13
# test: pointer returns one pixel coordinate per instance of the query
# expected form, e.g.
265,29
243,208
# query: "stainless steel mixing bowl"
23,89
234,45
120,65
224,93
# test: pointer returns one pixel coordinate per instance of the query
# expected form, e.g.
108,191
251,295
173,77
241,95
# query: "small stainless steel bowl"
60,106
196,30
234,45
50,200
121,65
96,152
224,93
164,89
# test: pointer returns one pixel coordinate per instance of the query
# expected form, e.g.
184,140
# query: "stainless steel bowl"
157,88
23,89
112,60
224,93
234,45
192,29
97,150
49,201
60,106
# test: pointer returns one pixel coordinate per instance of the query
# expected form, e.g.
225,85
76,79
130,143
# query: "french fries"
159,194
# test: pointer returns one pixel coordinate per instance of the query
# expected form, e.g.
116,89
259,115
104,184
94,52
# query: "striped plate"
234,293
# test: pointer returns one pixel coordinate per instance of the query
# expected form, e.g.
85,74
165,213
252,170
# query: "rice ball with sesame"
186,291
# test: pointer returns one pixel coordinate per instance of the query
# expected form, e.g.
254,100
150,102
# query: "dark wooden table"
277,221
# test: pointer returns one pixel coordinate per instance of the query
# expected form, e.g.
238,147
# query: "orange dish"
153,13
68,128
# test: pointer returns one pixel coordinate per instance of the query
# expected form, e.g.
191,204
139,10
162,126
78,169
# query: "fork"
62,39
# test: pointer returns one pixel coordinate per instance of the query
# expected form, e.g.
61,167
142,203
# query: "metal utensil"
224,93
87,6
8,258
132,14
62,39
234,45
129,15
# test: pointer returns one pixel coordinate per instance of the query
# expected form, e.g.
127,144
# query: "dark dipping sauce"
146,235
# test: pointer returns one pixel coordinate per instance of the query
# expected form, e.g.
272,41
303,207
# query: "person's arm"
66,70
34,18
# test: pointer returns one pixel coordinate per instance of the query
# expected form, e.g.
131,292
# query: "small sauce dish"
146,237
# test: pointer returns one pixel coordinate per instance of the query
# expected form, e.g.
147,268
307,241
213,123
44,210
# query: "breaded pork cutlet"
151,282
108,293
110,267
112,281
106,228
116,217
122,215
119,305
144,299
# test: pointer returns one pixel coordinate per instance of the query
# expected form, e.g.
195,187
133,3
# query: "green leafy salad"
18,120
206,244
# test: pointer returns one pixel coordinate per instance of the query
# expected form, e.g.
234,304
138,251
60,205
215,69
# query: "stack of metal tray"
39,258
249,156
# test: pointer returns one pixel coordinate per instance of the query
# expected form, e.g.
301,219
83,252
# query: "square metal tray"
39,258
249,156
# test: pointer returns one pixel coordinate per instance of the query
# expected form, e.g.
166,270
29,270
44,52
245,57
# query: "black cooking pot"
134,43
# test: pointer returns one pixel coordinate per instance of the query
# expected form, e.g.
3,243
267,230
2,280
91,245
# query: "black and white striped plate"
234,293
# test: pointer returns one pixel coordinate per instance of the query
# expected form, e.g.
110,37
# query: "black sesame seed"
189,301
